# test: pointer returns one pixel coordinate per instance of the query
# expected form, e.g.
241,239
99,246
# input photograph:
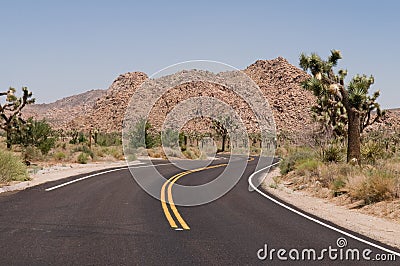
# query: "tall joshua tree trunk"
8,137
353,134
223,142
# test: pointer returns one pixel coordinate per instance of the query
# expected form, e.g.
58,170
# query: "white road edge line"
97,174
313,219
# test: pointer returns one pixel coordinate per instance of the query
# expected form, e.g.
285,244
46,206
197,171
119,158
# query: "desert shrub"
82,138
325,175
153,140
338,183
183,140
108,139
74,137
371,151
31,153
281,151
100,152
116,152
170,138
373,184
35,133
85,149
142,136
289,162
333,153
47,145
83,158
59,156
192,153
307,166
344,169
393,166
370,188
11,168
156,152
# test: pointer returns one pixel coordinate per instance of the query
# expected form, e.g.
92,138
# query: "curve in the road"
167,186
253,187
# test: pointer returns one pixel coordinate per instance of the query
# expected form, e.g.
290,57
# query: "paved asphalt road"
109,220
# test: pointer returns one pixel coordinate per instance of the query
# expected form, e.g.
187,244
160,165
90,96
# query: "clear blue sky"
60,48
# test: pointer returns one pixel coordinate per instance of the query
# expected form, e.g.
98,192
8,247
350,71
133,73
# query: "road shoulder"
56,172
380,229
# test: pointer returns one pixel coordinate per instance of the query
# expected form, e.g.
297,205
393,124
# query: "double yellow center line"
167,189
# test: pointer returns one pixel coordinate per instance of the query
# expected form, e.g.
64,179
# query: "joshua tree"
339,105
222,127
10,110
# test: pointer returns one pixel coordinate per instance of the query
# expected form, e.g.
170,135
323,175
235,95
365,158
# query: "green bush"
85,149
108,139
141,136
11,168
333,153
307,166
83,158
59,156
101,152
338,183
116,152
46,145
372,151
82,138
193,153
35,133
289,162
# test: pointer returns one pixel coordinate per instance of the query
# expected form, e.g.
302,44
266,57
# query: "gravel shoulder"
383,230
60,171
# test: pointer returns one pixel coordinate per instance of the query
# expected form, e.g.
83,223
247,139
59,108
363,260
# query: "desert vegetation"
27,144
324,170
347,160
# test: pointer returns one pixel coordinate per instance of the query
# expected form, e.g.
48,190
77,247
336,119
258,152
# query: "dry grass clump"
193,153
371,187
369,183
160,152
156,152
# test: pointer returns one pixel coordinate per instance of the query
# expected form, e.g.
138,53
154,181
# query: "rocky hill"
277,78
108,111
390,122
63,111
280,83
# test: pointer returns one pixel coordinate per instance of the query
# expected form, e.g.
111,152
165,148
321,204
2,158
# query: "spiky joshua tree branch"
10,110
